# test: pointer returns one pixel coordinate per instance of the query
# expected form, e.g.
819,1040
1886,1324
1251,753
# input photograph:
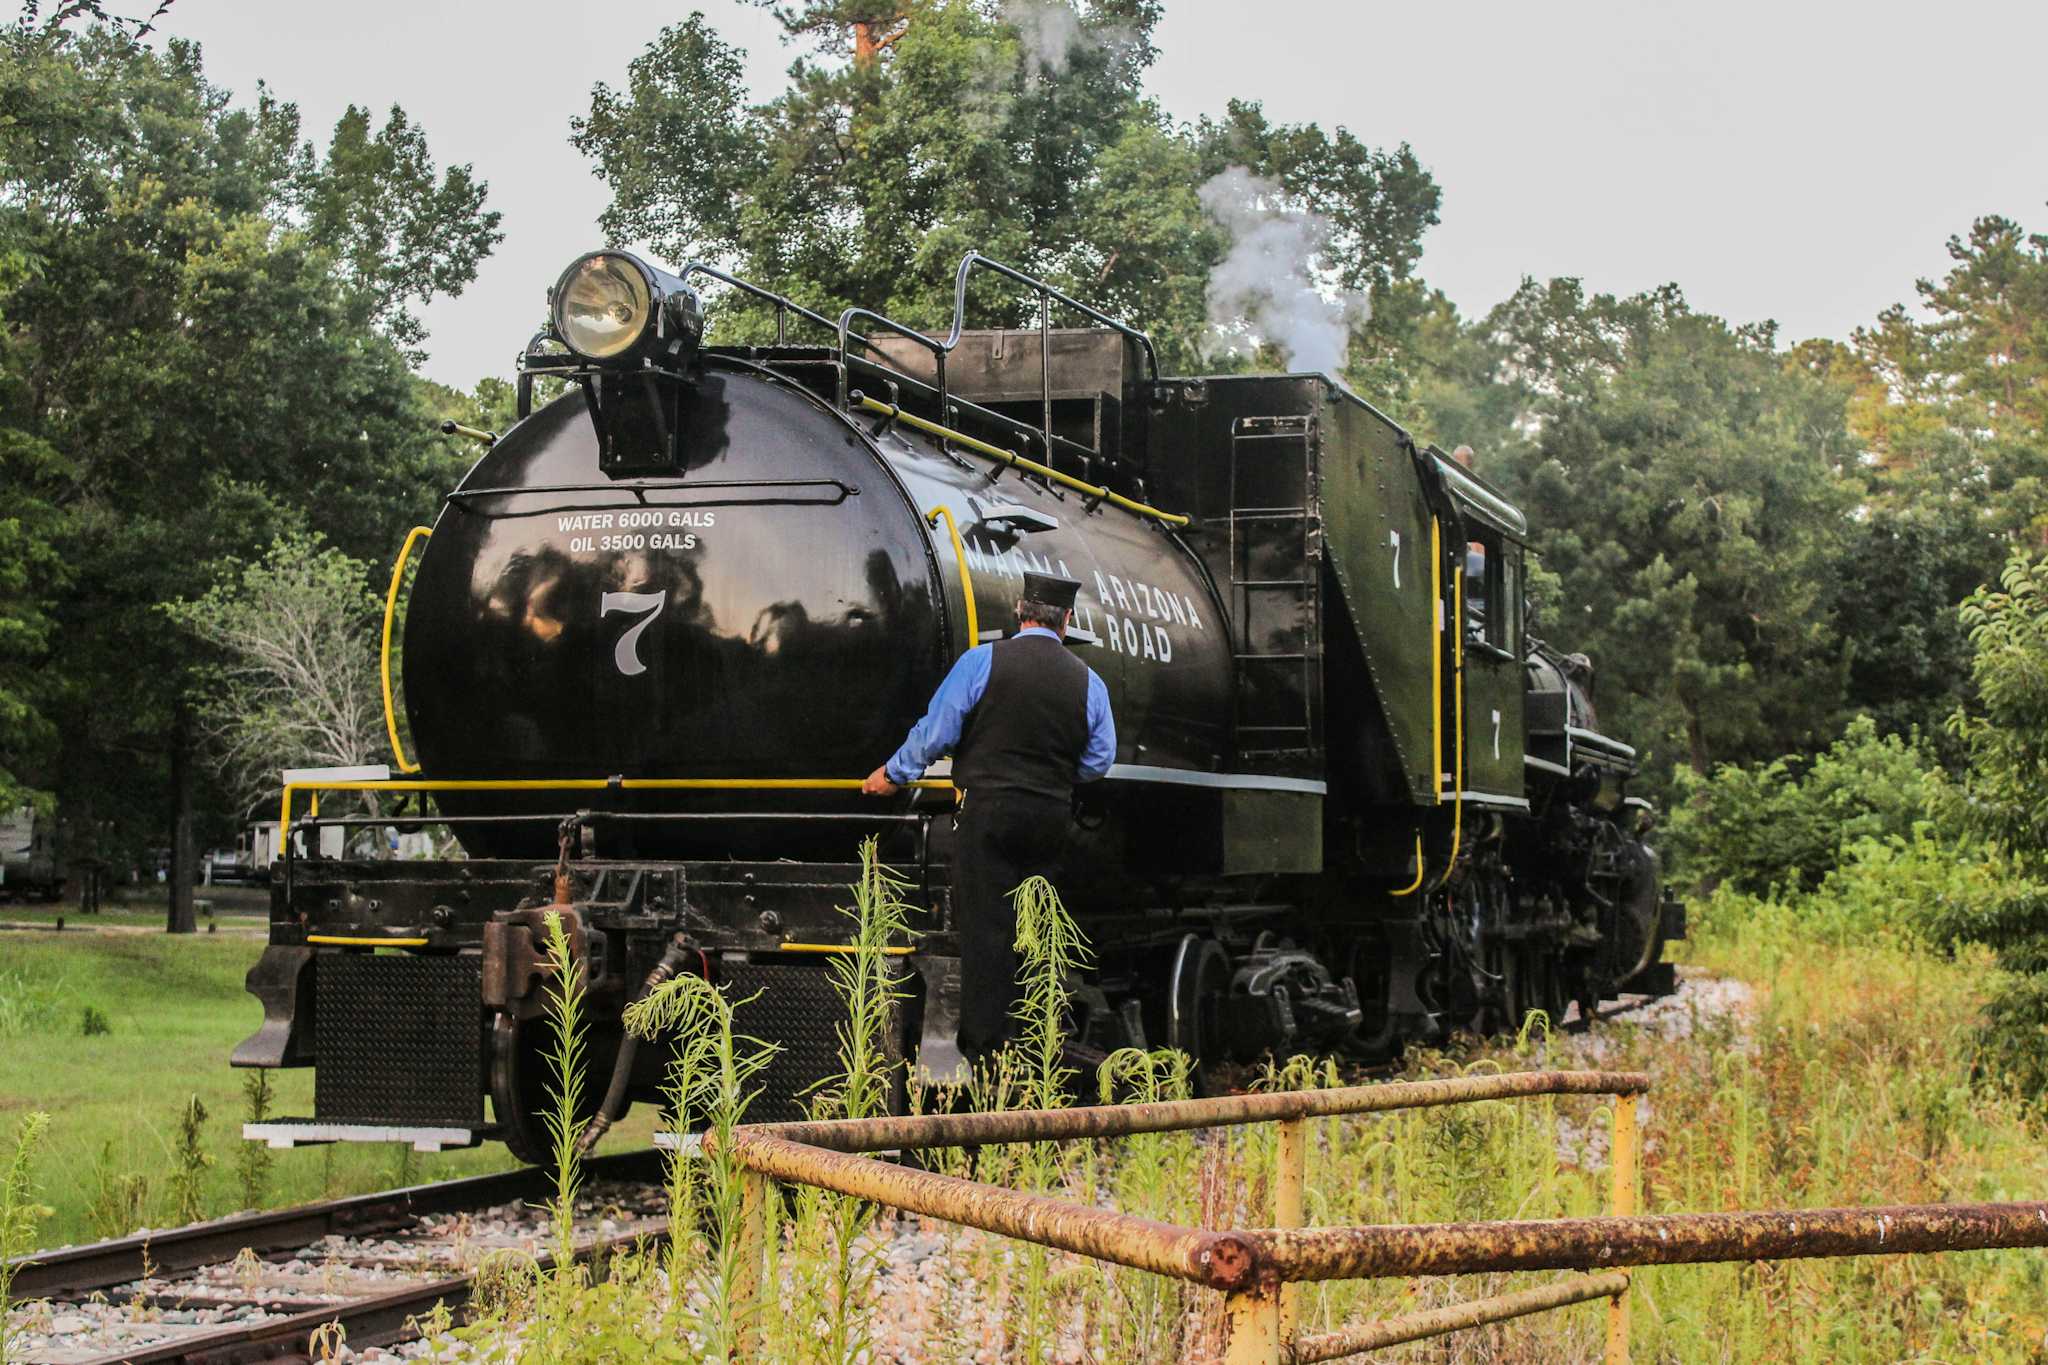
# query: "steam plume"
1049,30
1276,284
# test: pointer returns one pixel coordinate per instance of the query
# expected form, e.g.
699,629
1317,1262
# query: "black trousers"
1000,839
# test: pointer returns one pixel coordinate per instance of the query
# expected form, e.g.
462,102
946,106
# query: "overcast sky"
1790,160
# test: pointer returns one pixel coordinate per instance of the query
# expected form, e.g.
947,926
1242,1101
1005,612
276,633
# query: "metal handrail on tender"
562,365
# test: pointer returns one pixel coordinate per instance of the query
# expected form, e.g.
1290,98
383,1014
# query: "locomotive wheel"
1547,985
523,1083
1512,996
1368,961
1197,978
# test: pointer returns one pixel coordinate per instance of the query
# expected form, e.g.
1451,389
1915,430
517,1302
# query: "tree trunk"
1695,738
182,918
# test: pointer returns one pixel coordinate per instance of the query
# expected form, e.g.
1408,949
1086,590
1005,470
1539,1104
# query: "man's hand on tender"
878,783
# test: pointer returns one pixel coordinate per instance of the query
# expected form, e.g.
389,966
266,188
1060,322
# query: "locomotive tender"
663,624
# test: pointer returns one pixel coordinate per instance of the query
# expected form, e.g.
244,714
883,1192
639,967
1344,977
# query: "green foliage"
1687,486
1789,822
20,1213
292,678
865,181
2006,731
567,1065
253,1160
92,1022
32,1003
1050,948
205,318
2005,798
711,1081
870,989
118,1201
190,1161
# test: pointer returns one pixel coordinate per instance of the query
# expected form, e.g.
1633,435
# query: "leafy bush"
93,1022
2005,799
1788,823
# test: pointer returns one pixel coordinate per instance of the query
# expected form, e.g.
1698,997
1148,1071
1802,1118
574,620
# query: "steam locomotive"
664,623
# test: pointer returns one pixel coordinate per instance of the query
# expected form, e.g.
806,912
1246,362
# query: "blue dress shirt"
939,731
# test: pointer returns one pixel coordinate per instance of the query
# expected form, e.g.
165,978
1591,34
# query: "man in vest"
1026,721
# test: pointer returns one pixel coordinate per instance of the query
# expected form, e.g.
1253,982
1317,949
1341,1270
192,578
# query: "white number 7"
1394,539
627,654
1496,735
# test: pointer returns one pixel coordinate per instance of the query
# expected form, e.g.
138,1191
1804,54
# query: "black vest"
1030,728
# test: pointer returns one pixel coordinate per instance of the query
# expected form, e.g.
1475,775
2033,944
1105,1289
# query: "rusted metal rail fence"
1257,1269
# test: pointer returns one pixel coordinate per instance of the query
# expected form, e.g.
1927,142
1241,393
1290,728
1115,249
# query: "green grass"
177,1009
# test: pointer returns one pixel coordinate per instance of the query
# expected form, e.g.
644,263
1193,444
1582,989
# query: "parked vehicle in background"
28,857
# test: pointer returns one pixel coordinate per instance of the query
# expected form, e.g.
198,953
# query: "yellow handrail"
1458,709
344,941
1436,660
932,518
405,765
1420,870
1016,461
581,784
848,949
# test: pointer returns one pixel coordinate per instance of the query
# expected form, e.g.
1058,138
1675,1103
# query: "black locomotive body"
666,621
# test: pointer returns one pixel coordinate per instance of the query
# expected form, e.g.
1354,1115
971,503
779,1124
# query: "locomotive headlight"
603,305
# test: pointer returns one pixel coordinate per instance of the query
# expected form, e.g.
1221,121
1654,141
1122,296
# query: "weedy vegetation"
253,1160
1848,1071
190,1161
20,1213
1836,1055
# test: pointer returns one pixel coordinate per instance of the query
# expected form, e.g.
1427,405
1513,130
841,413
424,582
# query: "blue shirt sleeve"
939,731
1101,751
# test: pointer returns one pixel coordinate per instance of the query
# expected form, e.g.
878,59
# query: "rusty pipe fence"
1257,1269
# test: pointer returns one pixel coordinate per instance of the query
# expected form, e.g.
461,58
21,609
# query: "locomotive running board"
286,1133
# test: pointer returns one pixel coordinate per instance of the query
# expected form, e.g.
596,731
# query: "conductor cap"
1050,590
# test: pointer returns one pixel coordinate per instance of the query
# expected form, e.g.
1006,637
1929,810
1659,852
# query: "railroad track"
263,1286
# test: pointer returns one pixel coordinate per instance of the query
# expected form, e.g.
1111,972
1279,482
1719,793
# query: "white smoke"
1277,284
1049,30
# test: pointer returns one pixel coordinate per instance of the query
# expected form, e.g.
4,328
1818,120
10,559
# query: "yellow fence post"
1251,1325
748,1304
1622,1202
1290,1178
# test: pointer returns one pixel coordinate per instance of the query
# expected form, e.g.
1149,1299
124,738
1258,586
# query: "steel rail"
379,1320
1456,1317
1168,1116
1218,1259
1296,1254
70,1272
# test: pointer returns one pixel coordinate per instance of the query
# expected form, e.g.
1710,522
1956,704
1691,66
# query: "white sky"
1793,160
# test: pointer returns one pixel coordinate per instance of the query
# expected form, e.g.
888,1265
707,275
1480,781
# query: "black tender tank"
768,613
781,608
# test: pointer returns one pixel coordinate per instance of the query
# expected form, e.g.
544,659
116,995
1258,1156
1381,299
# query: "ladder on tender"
1275,549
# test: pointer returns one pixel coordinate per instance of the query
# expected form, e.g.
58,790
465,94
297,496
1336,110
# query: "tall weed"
190,1161
120,1199
711,1081
20,1213
253,1160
